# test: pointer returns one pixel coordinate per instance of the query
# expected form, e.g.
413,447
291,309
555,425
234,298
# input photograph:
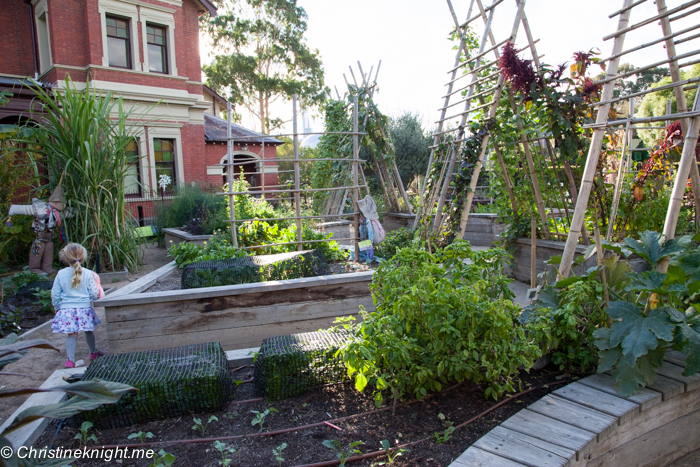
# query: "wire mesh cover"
289,366
170,382
249,269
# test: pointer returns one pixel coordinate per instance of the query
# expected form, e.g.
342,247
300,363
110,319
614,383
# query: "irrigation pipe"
267,433
413,443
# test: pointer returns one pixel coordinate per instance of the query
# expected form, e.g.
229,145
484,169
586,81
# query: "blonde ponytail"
73,254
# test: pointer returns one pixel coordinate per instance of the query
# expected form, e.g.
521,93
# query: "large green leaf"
650,248
651,281
691,349
24,345
638,334
616,272
97,392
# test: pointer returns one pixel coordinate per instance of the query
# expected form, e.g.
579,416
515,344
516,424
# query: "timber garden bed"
413,422
238,316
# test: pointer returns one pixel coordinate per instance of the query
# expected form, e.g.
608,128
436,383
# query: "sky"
410,37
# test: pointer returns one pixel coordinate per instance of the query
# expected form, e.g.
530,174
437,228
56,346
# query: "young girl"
73,291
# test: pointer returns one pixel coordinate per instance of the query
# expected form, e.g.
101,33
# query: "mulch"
412,422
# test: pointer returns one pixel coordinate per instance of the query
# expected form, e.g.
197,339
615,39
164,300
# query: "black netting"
289,366
250,269
170,382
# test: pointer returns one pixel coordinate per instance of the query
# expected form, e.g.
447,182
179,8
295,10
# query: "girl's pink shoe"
69,364
97,354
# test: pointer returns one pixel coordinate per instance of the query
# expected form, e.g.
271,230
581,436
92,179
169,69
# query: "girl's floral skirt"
70,320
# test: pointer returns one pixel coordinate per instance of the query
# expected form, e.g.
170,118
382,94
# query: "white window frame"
127,11
164,20
166,133
143,164
41,9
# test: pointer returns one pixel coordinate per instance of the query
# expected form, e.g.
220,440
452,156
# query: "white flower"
164,181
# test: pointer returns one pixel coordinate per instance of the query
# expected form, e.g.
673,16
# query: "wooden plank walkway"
586,423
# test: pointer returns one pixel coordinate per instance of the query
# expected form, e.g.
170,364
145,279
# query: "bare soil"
415,422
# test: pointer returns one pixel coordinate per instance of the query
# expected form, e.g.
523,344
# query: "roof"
213,93
215,130
210,7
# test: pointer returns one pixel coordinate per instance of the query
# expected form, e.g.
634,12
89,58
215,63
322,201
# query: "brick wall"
16,54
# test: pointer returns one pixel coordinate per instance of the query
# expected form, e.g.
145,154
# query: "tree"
654,104
412,146
643,80
262,56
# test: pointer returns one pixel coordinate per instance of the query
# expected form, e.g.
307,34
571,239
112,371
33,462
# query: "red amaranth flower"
589,90
520,73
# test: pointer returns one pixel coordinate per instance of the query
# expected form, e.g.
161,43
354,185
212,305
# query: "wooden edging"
132,297
587,423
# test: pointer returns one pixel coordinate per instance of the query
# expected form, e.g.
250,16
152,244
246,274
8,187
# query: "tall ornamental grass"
82,140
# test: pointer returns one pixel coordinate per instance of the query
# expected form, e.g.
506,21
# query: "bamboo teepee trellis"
690,120
446,145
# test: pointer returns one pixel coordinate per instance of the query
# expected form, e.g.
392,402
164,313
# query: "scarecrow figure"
47,217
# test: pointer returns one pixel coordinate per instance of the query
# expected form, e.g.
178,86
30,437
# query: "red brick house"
147,52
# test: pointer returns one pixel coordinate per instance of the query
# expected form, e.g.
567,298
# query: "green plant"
218,247
399,238
198,425
225,451
86,395
655,312
440,320
81,140
446,435
83,436
277,452
43,298
260,417
391,454
198,210
343,454
162,459
141,436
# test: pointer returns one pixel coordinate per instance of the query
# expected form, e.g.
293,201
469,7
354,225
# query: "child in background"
72,293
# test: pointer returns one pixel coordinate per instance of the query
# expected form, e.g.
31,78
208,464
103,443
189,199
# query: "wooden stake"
229,174
355,155
533,252
297,175
620,174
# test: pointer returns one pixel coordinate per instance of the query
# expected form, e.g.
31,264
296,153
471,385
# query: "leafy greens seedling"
83,435
446,435
198,425
225,451
141,436
391,455
260,417
162,459
277,452
343,454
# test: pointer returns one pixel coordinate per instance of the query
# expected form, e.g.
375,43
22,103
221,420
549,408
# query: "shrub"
439,320
193,207
394,240
218,247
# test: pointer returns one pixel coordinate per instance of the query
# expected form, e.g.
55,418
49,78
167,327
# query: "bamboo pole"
687,159
620,175
593,151
355,154
229,174
681,105
506,177
297,175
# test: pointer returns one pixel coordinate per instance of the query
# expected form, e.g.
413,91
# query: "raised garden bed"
520,266
174,236
238,316
412,423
